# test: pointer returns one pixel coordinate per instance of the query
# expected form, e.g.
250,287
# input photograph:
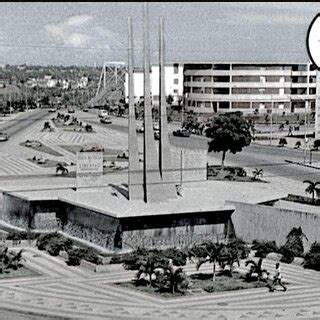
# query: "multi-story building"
173,82
225,87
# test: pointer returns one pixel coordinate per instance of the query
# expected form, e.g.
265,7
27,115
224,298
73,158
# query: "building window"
312,90
175,91
240,105
208,90
221,79
207,79
207,104
176,81
197,78
220,90
246,79
224,105
196,90
176,68
312,79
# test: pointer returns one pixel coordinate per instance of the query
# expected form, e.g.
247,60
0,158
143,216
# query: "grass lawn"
43,148
21,272
200,283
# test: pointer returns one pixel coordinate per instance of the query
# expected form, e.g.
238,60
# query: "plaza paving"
71,292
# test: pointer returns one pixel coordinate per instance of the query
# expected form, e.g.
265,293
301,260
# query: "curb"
302,164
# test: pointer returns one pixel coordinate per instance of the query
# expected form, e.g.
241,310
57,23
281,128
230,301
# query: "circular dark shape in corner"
307,40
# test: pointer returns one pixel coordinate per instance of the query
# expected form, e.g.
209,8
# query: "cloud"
78,20
71,31
80,30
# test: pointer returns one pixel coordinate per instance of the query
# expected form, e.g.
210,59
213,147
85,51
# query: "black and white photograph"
159,160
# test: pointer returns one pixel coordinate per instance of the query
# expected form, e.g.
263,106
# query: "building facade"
173,82
254,87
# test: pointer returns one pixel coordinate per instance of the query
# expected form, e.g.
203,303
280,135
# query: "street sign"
313,41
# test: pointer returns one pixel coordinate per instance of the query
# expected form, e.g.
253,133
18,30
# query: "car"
103,113
71,110
4,136
52,110
85,110
157,135
140,128
182,133
106,120
156,126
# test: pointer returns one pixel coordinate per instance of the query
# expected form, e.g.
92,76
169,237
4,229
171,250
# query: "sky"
88,33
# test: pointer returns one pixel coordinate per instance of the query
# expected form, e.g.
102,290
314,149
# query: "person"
277,278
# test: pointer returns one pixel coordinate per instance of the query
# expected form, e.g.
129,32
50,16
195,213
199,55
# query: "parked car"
33,144
106,120
52,110
182,133
103,113
85,110
157,135
4,136
140,128
156,126
70,110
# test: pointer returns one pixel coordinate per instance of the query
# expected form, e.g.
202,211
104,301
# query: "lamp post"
271,129
305,131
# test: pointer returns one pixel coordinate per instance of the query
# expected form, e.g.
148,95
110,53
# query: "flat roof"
197,197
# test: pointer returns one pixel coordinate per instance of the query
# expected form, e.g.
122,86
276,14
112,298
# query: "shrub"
22,235
44,239
92,256
312,258
75,255
132,260
264,247
53,243
293,246
179,257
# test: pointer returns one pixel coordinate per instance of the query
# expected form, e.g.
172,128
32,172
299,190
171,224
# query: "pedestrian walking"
277,279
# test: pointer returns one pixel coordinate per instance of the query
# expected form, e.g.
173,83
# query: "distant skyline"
85,33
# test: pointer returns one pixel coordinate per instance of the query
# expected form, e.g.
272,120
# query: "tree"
228,132
171,276
293,246
235,250
312,188
256,268
264,247
257,173
169,99
312,258
316,144
207,252
282,142
148,264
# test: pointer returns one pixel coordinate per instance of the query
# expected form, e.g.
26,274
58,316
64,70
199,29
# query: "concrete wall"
92,226
269,223
15,210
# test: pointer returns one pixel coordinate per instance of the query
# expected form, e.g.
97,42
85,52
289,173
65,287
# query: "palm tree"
312,188
207,252
256,268
148,265
257,173
15,259
172,276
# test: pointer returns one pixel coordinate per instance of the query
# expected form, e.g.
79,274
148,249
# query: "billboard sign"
89,169
313,41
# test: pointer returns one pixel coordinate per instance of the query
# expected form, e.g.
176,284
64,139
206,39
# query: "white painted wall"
172,88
